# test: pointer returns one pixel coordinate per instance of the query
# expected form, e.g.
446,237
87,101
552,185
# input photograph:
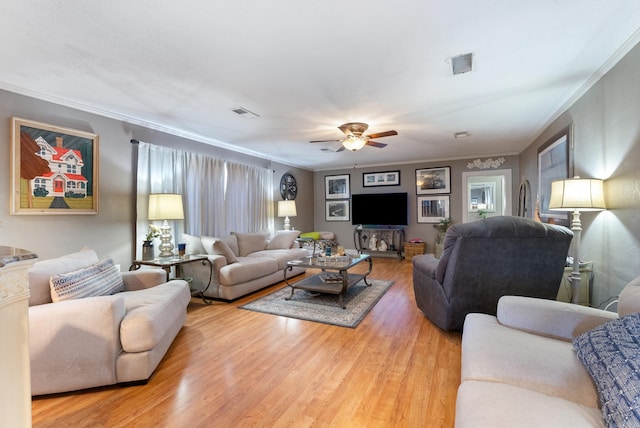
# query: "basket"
414,249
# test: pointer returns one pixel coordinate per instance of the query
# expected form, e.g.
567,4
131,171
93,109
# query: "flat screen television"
379,209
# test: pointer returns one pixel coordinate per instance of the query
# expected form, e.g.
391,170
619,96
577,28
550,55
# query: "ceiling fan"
354,140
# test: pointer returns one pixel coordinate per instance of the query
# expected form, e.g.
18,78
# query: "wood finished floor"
230,367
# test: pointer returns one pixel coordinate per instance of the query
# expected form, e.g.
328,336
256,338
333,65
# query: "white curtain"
219,197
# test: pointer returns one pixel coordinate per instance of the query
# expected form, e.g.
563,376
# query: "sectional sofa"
242,262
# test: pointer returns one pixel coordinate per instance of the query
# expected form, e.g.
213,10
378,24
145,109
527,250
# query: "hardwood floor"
230,367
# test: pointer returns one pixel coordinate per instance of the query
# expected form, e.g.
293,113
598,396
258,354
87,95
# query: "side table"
177,261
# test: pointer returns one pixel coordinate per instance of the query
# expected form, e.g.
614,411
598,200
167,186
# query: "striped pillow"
99,279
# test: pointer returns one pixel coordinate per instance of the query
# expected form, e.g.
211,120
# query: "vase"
147,250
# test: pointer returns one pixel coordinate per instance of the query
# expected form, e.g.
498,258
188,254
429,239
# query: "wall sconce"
165,206
576,195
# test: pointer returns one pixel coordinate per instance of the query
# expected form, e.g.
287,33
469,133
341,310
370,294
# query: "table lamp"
165,206
287,209
576,195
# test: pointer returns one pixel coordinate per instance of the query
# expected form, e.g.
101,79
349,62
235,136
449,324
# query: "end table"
167,263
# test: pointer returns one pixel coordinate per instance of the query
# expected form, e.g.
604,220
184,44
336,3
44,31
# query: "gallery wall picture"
383,178
54,170
432,209
433,180
336,186
337,210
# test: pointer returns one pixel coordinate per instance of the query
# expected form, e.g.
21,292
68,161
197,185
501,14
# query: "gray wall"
427,232
606,124
110,232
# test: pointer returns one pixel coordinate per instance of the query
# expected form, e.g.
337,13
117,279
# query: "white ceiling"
305,67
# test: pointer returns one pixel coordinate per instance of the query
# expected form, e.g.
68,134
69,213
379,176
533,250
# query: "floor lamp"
165,206
576,195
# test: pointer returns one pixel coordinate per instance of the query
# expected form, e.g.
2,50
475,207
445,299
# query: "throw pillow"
250,242
283,240
99,279
311,235
221,248
41,271
194,244
611,355
207,243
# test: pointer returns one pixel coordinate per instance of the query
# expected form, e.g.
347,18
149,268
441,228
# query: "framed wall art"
336,186
384,178
432,209
554,163
337,210
54,170
433,180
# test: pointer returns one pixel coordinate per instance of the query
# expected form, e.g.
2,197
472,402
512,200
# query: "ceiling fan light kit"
354,143
354,140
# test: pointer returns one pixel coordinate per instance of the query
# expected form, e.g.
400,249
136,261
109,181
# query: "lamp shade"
581,194
165,206
287,209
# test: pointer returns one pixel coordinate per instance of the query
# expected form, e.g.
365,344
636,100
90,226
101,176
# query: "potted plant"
442,227
147,246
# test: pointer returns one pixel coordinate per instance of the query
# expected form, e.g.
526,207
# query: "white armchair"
93,341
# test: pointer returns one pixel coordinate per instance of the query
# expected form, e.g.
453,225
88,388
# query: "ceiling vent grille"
243,112
462,63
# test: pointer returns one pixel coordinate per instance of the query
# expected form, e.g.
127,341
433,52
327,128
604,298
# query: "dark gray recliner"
485,260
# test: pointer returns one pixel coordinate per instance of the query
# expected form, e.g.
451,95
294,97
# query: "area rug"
323,308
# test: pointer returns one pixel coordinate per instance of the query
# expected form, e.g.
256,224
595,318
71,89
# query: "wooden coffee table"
334,277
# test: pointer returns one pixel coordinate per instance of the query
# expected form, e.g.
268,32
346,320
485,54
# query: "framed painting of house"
54,170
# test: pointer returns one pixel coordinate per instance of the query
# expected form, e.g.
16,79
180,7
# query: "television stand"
393,237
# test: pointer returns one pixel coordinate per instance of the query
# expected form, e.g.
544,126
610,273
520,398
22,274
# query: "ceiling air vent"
243,112
462,63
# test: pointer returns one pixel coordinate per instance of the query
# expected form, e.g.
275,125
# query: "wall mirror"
486,193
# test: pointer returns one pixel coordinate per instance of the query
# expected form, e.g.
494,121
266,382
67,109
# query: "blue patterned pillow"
99,279
611,355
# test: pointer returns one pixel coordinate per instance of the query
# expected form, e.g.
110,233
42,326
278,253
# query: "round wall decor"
288,187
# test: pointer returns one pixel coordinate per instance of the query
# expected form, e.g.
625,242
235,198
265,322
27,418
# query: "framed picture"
553,164
54,170
384,178
336,186
433,180
337,210
432,209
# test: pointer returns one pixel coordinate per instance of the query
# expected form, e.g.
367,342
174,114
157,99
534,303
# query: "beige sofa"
242,262
543,363
81,342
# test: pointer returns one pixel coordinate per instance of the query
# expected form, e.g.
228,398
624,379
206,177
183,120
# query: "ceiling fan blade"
340,149
383,134
376,144
324,141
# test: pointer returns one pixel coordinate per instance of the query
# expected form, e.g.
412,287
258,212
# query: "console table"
392,236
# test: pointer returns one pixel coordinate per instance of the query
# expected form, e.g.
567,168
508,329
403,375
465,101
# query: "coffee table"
334,277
